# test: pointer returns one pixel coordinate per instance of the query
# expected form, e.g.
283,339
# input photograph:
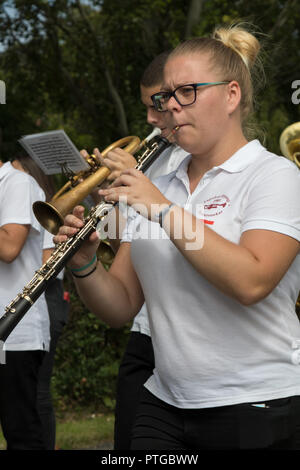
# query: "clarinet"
64,251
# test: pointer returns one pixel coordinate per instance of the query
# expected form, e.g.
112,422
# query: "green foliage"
77,65
87,359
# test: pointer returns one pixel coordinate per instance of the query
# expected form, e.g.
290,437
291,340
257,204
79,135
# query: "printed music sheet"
54,152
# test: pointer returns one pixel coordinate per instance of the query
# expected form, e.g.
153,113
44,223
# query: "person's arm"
247,271
115,296
47,252
12,240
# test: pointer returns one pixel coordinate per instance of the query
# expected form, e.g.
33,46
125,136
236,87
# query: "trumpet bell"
105,253
49,217
289,142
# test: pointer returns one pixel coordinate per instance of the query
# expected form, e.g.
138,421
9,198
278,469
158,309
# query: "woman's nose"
173,105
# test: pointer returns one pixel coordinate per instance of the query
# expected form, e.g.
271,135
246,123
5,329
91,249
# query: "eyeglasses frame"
172,93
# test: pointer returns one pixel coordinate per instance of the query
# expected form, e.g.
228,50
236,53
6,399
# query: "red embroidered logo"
215,206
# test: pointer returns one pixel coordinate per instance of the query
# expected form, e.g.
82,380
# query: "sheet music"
53,150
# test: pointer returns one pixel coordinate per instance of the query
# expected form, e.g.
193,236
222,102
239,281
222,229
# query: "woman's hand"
72,224
136,190
117,160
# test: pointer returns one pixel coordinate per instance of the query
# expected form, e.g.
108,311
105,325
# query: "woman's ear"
233,96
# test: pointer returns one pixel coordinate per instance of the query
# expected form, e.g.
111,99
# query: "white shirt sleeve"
18,209
273,203
48,240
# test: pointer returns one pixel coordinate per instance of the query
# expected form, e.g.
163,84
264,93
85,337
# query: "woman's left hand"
136,190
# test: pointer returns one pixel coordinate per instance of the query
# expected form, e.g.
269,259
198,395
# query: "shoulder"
273,185
21,182
270,166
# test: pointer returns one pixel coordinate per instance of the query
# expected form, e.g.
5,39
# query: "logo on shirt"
215,205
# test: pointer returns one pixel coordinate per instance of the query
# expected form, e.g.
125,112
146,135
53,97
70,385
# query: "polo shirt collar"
243,157
237,162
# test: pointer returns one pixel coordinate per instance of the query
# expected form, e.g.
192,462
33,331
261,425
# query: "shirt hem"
280,227
27,347
214,403
140,329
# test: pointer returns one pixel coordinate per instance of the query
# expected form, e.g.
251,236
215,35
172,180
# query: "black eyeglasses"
184,95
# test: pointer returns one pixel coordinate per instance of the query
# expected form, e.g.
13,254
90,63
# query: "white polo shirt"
18,191
168,161
209,349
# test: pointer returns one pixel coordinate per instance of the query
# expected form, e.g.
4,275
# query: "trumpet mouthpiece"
156,131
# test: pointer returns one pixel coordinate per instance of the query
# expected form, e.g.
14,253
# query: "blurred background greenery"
76,65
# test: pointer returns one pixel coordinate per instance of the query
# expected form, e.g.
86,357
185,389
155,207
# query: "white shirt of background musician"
18,191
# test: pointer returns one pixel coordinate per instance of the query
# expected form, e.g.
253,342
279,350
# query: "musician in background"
138,360
57,308
21,245
214,252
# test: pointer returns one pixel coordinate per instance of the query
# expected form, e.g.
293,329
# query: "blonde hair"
234,52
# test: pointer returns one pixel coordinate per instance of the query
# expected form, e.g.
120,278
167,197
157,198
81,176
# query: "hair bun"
241,41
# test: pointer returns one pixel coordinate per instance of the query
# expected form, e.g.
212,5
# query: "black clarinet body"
63,252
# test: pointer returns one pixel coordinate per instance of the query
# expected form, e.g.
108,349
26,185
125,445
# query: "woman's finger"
84,154
125,179
114,194
78,212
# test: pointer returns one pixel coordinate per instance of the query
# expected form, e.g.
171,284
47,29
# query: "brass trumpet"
289,142
51,214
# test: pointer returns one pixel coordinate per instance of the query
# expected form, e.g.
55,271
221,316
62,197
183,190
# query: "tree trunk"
193,17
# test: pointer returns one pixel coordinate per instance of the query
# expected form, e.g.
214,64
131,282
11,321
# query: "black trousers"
20,420
160,426
136,367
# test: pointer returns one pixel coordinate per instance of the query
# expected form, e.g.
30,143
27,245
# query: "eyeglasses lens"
185,95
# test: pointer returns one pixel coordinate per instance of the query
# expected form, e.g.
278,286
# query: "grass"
81,430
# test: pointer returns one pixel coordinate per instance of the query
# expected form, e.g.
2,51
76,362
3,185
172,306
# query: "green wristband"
85,266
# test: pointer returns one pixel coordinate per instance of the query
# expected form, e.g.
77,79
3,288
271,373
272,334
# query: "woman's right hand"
72,224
